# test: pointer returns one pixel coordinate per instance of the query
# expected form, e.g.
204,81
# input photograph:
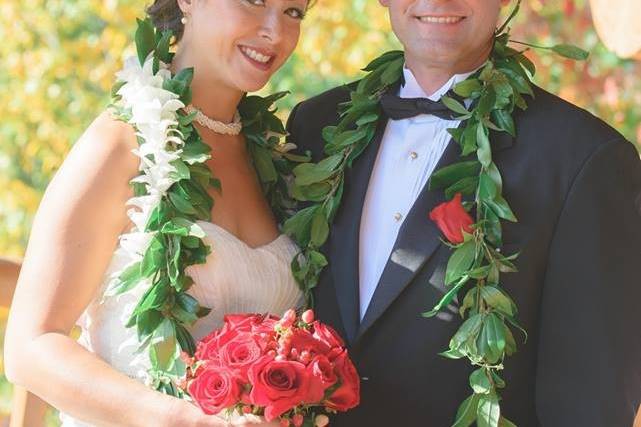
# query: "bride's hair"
166,15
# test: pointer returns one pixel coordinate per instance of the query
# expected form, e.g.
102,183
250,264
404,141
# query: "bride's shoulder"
95,174
105,149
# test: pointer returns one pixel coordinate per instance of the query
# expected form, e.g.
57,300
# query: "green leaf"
384,58
469,301
495,335
466,186
182,170
487,188
571,52
393,71
486,103
147,322
449,175
185,340
345,139
452,354
299,226
128,279
183,227
145,39
504,422
484,152
489,411
480,382
466,413
264,163
367,118
446,299
196,152
500,207
154,257
526,63
320,229
454,105
314,192
497,300
460,262
504,120
162,48
467,87
163,346
468,140
509,19
311,173
510,342
181,203
155,298
467,331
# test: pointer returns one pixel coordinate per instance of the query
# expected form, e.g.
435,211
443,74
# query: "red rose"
323,377
303,341
240,353
347,395
278,385
326,334
214,389
208,349
452,219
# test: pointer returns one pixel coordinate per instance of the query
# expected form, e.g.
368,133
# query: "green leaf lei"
165,310
501,85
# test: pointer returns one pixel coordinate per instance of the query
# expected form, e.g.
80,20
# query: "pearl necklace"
217,126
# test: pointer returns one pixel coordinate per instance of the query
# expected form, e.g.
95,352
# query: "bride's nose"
271,27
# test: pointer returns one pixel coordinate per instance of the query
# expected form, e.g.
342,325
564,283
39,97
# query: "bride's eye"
255,2
295,13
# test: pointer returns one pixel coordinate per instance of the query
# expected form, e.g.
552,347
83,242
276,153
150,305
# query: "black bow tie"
398,108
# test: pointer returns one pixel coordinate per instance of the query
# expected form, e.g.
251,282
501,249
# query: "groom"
575,185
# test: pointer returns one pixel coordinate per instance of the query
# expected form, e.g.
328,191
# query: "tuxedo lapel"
417,240
345,234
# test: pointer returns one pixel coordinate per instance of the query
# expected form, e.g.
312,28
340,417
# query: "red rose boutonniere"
452,219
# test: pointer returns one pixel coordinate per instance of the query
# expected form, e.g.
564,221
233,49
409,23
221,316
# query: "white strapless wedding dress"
235,279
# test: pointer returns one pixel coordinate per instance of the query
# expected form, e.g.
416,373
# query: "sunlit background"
58,58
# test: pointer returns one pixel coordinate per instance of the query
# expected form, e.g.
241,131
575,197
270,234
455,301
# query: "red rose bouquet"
295,369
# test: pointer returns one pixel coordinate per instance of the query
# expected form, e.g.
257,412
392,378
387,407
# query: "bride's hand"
253,421
185,414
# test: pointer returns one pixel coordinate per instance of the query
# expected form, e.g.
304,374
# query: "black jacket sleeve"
589,363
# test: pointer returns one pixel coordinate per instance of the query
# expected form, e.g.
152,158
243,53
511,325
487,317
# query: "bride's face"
242,42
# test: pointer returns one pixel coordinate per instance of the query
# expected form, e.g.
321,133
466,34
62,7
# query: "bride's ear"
384,3
186,6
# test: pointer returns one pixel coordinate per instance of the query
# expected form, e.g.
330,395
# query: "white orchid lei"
170,196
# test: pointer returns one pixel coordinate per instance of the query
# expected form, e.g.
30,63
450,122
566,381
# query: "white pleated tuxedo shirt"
408,154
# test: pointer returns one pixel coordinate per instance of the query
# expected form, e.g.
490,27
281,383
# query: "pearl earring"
183,20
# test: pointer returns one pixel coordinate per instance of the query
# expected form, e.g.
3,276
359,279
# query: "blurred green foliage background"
58,58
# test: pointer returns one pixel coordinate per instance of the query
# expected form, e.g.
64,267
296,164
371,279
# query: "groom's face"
445,33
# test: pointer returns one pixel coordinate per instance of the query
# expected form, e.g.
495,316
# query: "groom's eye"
255,2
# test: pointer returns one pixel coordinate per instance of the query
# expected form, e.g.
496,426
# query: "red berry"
284,422
247,409
298,420
308,316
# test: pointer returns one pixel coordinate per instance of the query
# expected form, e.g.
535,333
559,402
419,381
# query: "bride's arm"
72,240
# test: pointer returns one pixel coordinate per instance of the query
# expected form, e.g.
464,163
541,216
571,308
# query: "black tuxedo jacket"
574,184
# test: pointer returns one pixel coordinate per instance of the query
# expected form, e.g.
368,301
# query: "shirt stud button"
398,216
414,155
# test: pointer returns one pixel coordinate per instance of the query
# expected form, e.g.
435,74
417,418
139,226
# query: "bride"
234,46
